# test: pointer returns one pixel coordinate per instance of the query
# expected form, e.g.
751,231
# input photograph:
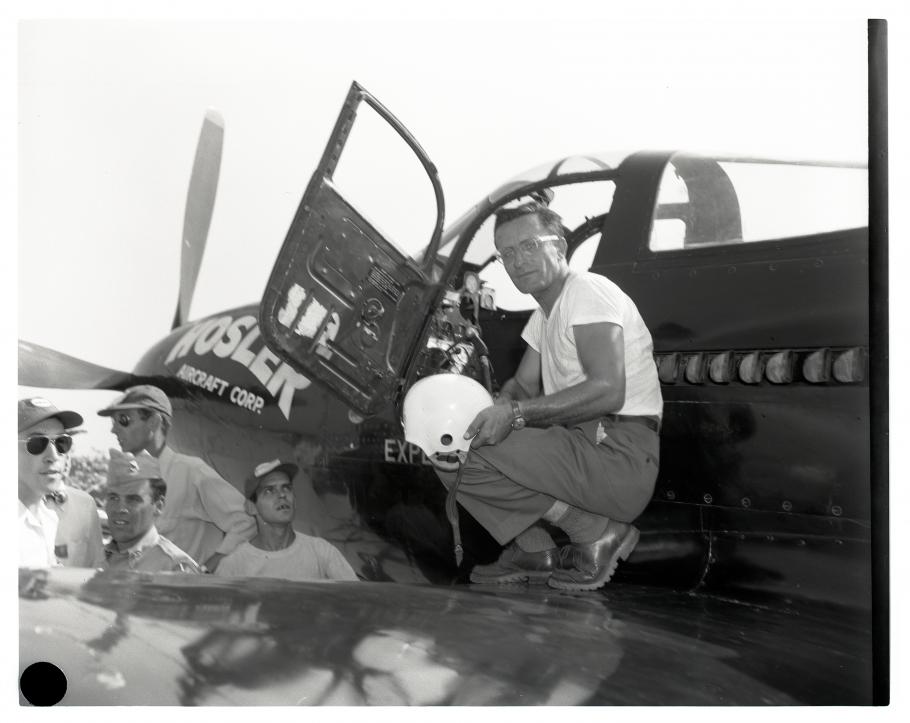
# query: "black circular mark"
446,439
42,684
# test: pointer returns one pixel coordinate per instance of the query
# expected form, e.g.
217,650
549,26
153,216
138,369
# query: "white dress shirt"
78,541
37,531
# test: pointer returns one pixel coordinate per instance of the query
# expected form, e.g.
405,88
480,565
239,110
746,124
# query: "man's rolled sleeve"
224,506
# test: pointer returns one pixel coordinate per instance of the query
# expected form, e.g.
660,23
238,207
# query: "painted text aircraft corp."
752,580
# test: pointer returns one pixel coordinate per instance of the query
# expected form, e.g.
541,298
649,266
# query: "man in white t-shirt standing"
572,438
277,550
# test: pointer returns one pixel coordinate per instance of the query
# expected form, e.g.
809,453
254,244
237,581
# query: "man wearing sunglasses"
57,524
572,439
203,514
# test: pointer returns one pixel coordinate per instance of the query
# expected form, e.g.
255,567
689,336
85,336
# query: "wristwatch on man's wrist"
518,419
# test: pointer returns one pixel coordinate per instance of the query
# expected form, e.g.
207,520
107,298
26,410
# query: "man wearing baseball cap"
203,514
57,524
278,550
133,500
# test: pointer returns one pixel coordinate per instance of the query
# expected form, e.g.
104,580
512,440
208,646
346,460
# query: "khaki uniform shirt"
153,553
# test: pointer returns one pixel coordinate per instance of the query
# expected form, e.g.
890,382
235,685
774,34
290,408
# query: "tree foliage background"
88,471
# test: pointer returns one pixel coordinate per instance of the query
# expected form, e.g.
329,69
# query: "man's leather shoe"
516,565
590,566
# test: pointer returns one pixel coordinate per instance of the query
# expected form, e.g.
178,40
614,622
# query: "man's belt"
652,422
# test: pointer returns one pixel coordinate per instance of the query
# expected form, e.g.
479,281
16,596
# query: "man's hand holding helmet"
492,424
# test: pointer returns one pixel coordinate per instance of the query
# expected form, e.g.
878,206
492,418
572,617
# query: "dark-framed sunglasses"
123,420
37,444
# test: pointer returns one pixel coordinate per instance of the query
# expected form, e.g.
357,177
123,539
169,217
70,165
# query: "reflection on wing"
135,638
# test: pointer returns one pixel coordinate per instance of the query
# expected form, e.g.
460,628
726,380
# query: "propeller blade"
200,201
43,367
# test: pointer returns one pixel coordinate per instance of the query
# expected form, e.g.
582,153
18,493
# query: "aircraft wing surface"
143,639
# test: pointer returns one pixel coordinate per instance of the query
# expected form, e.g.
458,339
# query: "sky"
104,114
109,114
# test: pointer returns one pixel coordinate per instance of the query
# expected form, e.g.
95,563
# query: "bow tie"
58,498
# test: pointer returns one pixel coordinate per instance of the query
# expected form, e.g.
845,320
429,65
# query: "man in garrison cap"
134,499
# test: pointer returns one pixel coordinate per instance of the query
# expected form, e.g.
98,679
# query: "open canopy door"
345,305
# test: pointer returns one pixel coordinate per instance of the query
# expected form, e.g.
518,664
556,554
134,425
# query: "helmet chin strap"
452,509
436,411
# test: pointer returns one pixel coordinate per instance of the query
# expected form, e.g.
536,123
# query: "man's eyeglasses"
123,420
526,248
37,444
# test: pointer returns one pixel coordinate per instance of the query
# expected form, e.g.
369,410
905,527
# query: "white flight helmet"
437,411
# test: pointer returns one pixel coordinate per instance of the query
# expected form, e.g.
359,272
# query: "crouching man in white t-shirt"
278,550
